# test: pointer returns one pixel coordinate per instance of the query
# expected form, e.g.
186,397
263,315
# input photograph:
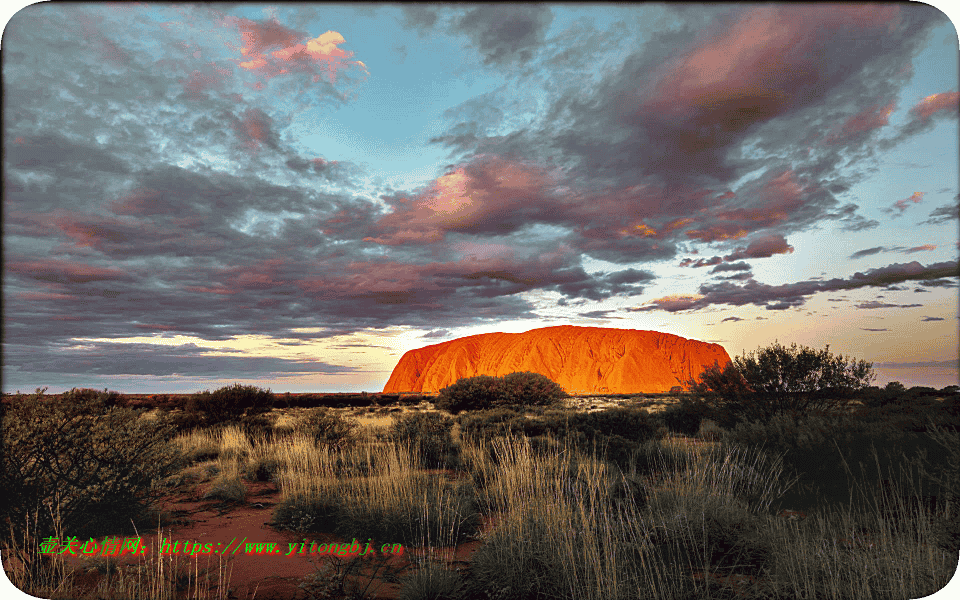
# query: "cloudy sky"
292,196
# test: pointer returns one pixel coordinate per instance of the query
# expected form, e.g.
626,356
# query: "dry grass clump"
227,484
375,491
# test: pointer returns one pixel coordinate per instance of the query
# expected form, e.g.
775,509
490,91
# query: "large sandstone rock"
580,359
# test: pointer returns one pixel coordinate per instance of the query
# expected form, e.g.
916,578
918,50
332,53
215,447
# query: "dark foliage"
472,393
485,391
92,464
777,379
487,423
532,389
231,403
684,417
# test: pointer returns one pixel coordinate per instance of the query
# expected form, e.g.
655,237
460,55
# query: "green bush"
431,432
532,389
485,392
777,379
94,465
683,418
472,393
231,403
329,427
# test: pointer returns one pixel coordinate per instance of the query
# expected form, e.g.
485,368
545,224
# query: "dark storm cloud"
52,153
909,365
506,33
437,333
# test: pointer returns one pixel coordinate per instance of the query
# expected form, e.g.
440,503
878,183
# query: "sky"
292,196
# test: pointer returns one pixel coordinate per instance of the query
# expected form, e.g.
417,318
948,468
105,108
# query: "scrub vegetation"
705,499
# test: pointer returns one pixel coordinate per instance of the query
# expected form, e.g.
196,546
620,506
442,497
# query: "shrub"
95,465
485,391
532,389
683,418
431,432
230,403
756,386
634,424
329,427
472,393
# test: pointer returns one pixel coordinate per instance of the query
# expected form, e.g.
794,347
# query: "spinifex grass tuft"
375,491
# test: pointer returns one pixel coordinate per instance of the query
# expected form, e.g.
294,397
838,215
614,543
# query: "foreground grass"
689,521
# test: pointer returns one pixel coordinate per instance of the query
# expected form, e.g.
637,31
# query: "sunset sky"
292,196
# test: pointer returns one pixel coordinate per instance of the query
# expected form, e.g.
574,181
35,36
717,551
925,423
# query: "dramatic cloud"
233,172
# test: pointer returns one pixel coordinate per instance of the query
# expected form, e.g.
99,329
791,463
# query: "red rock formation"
580,359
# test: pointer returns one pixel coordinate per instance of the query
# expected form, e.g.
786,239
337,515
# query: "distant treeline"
283,400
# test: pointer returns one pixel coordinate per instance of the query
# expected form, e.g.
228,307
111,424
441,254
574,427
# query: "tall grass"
681,520
373,490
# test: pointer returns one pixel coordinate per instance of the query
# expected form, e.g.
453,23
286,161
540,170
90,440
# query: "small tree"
777,379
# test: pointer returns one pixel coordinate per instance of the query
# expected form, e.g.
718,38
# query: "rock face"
580,359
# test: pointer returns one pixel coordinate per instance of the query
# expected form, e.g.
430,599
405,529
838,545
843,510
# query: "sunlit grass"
683,520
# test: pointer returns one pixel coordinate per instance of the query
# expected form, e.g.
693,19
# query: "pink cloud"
488,194
61,271
901,205
210,77
671,303
758,66
254,128
923,248
143,201
776,200
258,36
868,119
945,101
762,247
272,49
